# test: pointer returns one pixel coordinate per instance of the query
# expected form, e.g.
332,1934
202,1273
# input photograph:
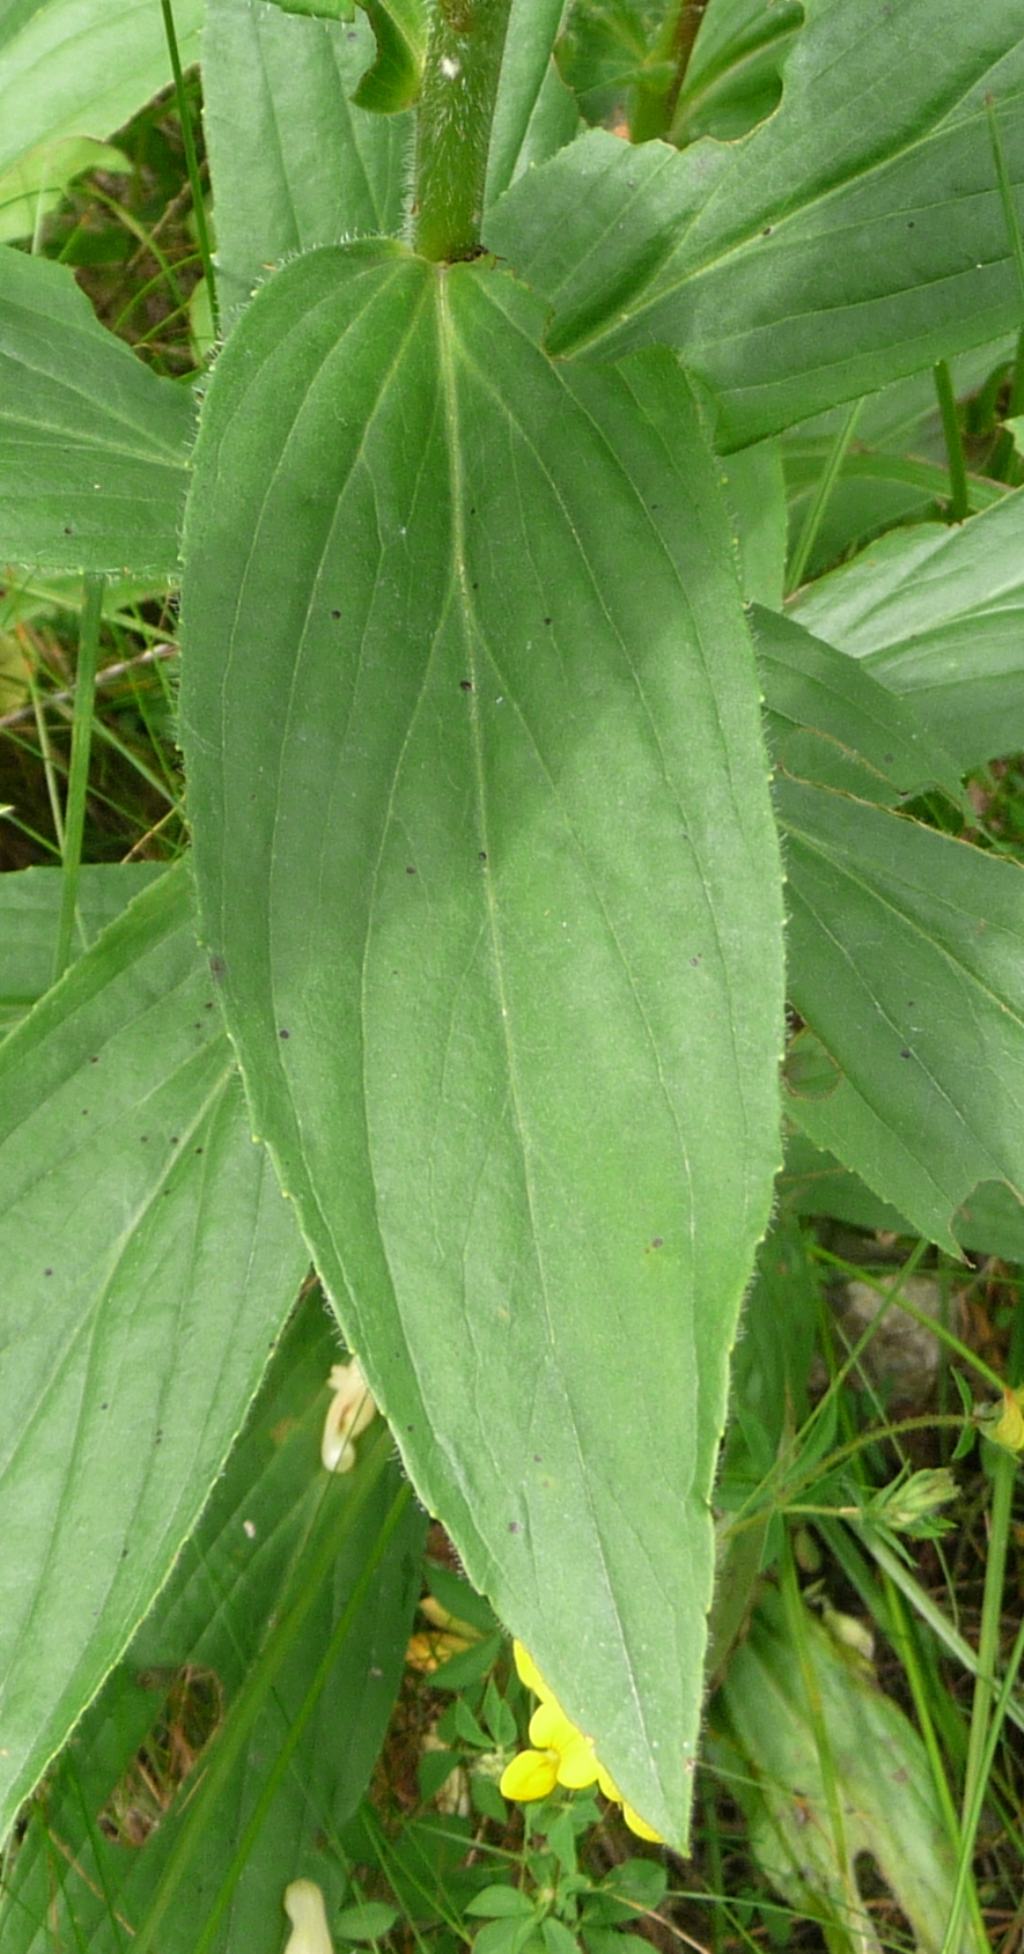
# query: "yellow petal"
550,1728
577,1765
608,1785
640,1826
530,1774
529,1672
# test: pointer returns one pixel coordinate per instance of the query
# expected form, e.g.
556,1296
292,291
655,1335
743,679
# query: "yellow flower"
559,1754
1003,1422
349,1412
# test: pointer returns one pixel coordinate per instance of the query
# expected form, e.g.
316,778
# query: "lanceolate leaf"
906,958
93,446
293,162
468,683
796,272
937,613
149,1263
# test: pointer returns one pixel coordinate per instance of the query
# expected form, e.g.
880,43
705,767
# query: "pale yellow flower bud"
304,1905
348,1414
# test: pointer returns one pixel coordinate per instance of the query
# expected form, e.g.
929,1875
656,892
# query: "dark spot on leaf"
217,968
85,1112
536,1458
905,1053
695,961
513,1526
657,1241
47,1272
174,1139
465,685
409,869
105,1406
335,614
472,512
547,620
910,223
94,1060
209,1006
767,231
69,529
197,1149
144,1137
410,1428
283,1033
482,856
888,758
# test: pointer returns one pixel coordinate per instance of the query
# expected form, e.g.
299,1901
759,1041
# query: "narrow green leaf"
770,1756
150,1262
82,67
937,613
505,972
119,1798
795,272
293,162
830,720
29,907
906,957
93,446
534,113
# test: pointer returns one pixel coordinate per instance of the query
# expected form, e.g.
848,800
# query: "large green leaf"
149,1262
93,446
906,960
813,1182
937,613
792,270
293,162
82,67
467,686
279,1539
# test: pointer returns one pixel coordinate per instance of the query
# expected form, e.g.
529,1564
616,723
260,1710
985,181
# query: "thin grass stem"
78,775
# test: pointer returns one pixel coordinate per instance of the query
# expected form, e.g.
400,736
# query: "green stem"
654,100
191,163
78,775
453,126
959,505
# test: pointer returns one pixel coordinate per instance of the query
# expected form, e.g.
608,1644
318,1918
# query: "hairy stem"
453,132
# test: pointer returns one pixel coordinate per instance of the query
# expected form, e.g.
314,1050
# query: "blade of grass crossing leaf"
973,1805
959,505
78,779
1008,201
298,1724
819,502
983,1720
261,1681
191,160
